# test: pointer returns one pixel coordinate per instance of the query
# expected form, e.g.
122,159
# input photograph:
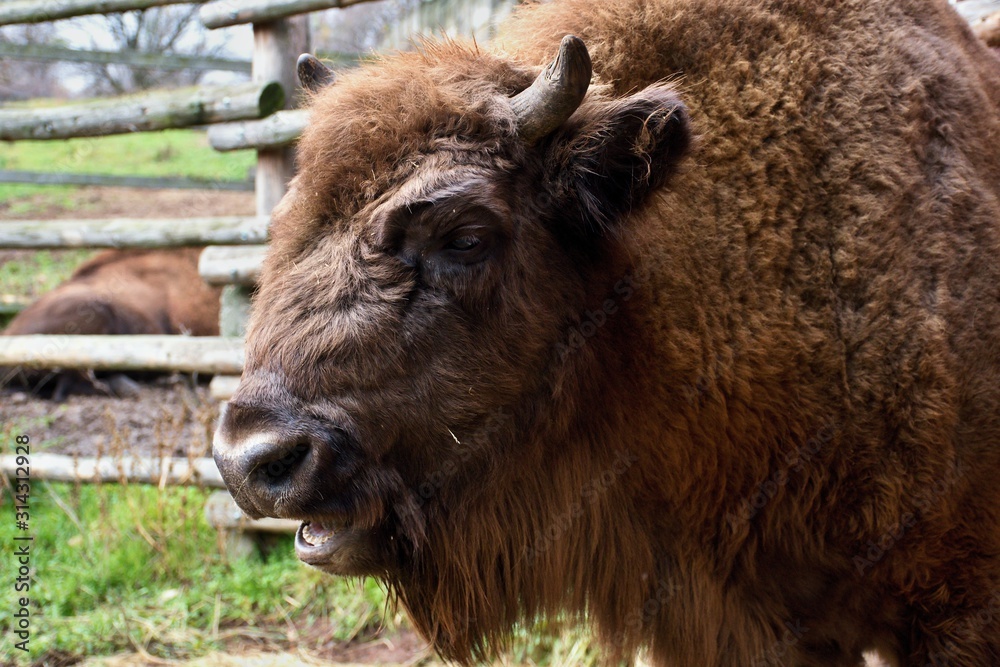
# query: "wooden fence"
106,180
984,17
140,59
256,115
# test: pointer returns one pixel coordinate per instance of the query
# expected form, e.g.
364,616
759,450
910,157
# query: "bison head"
407,392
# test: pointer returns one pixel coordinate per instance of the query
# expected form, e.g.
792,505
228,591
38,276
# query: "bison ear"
611,155
313,74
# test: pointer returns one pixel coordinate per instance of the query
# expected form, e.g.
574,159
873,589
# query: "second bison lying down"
118,292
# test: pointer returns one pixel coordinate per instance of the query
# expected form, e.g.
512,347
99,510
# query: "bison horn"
313,74
556,93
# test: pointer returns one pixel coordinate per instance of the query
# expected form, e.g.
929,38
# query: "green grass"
40,272
11,428
167,153
35,274
135,568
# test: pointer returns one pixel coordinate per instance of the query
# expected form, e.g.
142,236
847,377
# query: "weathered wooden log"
988,29
39,11
272,42
158,110
234,311
222,387
231,265
279,129
136,233
223,13
186,354
222,511
106,180
132,469
974,10
143,59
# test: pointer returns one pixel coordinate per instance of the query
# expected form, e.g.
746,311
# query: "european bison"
707,351
118,292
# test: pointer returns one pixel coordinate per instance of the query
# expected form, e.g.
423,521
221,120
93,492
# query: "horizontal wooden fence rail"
39,11
221,511
158,110
222,387
974,10
279,129
988,29
133,469
164,61
135,233
155,182
224,13
231,265
184,354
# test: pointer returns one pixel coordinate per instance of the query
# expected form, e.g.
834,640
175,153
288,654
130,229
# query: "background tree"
357,29
21,79
172,29
392,24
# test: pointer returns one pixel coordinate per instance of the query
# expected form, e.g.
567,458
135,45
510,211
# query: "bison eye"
463,243
466,246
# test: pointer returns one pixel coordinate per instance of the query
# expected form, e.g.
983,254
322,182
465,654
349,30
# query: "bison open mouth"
317,541
317,534
335,547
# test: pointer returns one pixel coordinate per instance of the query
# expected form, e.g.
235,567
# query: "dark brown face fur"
430,296
425,265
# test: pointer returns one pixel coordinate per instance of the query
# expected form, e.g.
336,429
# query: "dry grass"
280,659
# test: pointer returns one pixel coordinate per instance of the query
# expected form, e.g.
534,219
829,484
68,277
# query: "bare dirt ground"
168,417
403,649
92,203
96,203
172,416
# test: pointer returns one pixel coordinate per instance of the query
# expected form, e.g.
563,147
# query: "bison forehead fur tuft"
714,364
372,125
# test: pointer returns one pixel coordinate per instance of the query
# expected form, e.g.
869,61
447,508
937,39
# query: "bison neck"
609,459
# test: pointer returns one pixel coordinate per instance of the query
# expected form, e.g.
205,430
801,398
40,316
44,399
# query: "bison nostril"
278,468
273,463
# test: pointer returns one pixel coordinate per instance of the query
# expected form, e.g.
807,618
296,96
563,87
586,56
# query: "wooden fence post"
277,44
276,47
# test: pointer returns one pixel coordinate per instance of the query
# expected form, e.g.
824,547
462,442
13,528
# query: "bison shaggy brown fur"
713,362
118,292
